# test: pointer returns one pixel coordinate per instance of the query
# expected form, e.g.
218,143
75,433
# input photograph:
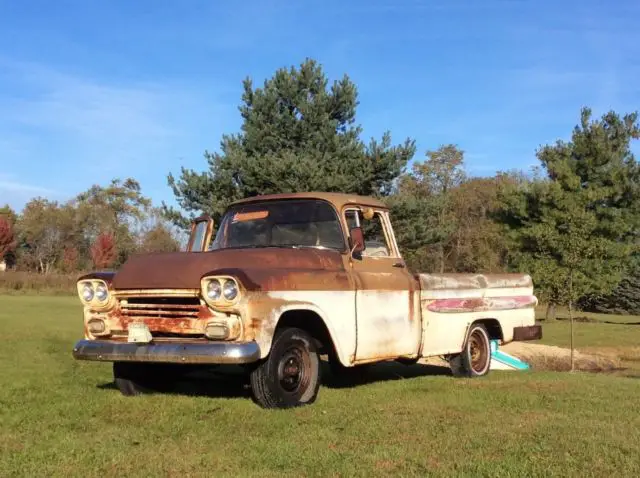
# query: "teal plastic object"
503,361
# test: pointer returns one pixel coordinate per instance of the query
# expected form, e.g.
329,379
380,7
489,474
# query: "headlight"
230,289
220,291
87,292
102,293
214,289
95,293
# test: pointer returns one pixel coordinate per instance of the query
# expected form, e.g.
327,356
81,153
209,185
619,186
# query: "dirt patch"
550,357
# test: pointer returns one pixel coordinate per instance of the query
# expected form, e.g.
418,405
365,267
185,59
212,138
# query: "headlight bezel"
222,300
95,302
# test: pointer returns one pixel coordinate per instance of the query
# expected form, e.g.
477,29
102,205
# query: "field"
59,417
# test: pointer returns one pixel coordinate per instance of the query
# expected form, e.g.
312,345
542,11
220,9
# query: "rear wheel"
290,375
475,358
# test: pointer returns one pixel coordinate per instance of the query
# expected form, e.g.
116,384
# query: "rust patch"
177,319
106,276
204,313
339,200
250,216
258,269
480,304
262,313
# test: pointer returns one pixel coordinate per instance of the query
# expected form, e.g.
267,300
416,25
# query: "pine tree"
298,134
575,230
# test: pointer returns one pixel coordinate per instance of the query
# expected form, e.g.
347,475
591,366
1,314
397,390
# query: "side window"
374,239
198,236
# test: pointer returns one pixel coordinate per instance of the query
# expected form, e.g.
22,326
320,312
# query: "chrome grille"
160,307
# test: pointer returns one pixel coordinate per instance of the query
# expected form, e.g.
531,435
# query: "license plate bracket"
139,333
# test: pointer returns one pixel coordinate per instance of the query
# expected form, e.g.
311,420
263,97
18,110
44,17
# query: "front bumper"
531,332
167,352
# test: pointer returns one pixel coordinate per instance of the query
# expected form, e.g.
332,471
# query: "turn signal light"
216,331
96,326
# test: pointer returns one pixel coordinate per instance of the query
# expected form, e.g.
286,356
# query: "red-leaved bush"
7,237
70,259
103,250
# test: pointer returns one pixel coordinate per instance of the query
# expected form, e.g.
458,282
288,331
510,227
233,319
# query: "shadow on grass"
213,382
233,382
379,372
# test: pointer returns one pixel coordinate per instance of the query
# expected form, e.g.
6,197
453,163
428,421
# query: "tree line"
99,228
572,222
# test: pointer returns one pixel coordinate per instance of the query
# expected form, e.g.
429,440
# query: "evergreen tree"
575,230
298,134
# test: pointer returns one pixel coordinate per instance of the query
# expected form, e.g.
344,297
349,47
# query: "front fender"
106,276
335,309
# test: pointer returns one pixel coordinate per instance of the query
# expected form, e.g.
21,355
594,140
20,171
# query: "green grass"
60,417
611,335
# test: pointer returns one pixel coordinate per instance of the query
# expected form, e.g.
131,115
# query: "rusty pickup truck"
287,279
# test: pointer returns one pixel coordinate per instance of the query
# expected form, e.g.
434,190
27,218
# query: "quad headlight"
94,292
87,292
230,289
220,290
214,289
102,294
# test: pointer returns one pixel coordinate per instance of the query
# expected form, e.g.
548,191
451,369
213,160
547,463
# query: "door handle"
399,264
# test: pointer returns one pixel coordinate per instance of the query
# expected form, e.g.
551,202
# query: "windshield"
287,223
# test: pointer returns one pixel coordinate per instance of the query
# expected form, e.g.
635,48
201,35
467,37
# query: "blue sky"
92,90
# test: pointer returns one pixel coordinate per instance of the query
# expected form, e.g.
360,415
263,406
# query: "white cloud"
106,116
11,187
17,193
68,131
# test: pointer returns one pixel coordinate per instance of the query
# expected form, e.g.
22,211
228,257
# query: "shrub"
21,282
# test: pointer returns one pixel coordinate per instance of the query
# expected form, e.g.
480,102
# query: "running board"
503,361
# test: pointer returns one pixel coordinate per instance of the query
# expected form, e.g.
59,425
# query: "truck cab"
284,279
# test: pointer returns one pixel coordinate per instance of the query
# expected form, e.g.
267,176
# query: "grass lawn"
59,417
612,335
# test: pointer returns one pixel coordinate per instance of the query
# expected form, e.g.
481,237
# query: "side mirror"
356,240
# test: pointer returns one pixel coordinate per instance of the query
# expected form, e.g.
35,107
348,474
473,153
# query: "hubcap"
293,370
478,352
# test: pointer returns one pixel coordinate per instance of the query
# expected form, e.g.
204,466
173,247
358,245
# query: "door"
387,300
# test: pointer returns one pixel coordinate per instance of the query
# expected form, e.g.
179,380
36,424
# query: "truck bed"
450,302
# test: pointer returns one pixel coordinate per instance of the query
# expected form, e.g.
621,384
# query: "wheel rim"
294,370
478,351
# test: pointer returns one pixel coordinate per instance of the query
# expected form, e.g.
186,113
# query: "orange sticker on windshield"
249,216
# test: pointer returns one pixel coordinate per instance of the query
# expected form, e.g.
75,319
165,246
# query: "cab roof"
339,200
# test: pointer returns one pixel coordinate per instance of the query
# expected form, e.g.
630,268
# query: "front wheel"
475,358
290,375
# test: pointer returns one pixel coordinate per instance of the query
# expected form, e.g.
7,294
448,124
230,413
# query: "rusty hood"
256,268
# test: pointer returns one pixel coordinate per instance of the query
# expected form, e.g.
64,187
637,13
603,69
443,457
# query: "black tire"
290,375
475,358
141,378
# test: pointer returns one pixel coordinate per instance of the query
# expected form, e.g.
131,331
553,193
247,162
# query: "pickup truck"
289,278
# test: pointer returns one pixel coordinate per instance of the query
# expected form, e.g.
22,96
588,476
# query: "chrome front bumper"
167,352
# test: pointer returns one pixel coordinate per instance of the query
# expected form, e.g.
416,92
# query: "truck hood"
256,268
